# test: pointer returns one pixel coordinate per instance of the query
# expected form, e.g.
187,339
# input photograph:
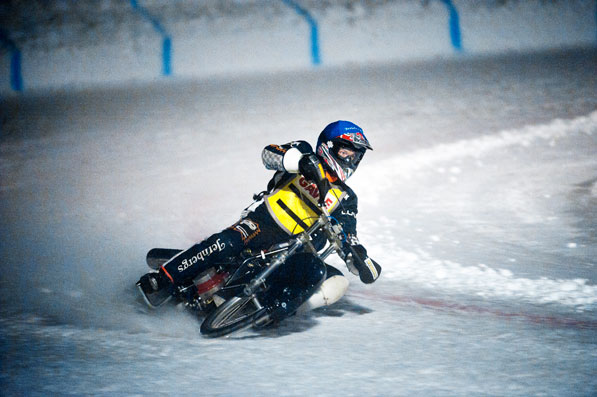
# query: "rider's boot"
152,282
155,288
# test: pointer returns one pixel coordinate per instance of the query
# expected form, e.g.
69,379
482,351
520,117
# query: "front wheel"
236,314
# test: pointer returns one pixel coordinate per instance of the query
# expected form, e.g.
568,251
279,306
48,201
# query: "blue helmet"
338,135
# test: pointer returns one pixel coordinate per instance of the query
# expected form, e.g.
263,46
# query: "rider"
303,179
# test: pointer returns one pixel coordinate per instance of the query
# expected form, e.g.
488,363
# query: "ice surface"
478,200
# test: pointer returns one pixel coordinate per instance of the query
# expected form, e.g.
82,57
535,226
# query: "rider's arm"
297,157
285,157
355,255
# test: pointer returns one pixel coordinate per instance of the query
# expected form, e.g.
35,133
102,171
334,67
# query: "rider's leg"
195,260
256,230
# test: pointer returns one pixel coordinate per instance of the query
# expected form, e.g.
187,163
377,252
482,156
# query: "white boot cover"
330,291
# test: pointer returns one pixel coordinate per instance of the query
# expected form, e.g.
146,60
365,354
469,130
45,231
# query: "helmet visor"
347,155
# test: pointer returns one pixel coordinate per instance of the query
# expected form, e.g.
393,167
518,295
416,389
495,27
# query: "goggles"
346,154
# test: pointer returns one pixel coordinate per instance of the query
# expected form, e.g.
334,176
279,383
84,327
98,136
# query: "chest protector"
294,205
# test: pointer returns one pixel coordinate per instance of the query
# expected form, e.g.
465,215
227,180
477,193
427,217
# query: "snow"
83,44
421,267
479,201
472,219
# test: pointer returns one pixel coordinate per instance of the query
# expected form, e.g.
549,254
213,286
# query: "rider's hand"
360,264
312,169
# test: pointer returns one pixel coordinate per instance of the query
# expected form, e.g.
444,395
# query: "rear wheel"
236,314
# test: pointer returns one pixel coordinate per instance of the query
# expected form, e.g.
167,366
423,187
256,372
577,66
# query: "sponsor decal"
252,225
310,188
349,213
372,268
278,148
204,253
356,137
247,229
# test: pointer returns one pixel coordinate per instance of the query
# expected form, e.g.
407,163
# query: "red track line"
555,321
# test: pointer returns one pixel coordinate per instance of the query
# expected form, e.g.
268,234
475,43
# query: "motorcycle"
257,289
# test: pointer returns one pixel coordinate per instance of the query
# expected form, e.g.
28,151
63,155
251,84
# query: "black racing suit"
287,207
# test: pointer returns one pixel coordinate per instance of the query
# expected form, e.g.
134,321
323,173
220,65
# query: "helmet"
342,135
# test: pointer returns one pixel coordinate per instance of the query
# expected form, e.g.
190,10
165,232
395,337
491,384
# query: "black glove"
360,264
312,169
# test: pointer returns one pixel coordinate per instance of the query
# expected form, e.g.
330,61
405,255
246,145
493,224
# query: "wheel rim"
228,316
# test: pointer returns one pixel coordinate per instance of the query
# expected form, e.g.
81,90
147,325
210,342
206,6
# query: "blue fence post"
166,40
315,57
16,78
167,56
454,21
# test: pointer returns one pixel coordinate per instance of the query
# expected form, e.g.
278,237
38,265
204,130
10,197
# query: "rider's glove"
312,169
360,264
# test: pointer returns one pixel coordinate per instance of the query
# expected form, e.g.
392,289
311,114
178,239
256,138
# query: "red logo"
311,188
356,137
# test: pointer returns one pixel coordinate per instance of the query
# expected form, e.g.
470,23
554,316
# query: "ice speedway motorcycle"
259,289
